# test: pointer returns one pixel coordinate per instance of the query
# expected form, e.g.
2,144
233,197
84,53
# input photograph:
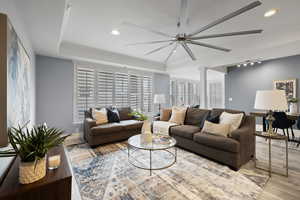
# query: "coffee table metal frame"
132,149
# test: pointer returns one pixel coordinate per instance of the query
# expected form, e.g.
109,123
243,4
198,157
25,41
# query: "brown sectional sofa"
111,132
233,151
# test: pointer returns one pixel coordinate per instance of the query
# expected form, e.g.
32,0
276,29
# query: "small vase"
146,129
293,107
30,172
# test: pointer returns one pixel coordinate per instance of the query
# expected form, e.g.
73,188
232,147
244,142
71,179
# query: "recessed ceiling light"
115,32
271,12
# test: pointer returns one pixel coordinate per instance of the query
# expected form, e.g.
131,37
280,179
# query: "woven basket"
29,173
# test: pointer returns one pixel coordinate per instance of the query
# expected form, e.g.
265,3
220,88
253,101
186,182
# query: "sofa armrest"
89,122
246,136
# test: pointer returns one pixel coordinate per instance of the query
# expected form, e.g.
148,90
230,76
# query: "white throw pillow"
178,115
233,119
100,116
216,129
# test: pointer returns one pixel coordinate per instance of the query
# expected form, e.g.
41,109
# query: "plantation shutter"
105,85
135,91
215,94
84,92
121,90
147,94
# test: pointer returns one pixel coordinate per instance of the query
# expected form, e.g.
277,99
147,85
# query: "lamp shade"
274,100
159,98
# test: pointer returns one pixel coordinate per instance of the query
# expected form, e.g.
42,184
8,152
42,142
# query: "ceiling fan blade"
160,48
146,29
188,50
227,17
208,46
171,53
183,15
227,34
151,42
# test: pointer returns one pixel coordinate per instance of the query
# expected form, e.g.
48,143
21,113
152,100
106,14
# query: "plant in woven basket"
32,145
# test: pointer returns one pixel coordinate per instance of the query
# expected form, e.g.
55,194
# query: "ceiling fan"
182,38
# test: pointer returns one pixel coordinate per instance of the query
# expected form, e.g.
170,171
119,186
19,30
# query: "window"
147,94
135,91
97,88
184,92
121,90
215,94
105,83
85,91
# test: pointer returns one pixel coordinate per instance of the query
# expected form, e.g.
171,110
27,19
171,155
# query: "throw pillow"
178,115
214,119
165,114
100,116
113,115
216,129
233,119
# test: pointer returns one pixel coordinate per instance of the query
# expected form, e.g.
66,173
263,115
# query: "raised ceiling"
90,23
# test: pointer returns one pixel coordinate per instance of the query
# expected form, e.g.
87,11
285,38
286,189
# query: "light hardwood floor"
278,187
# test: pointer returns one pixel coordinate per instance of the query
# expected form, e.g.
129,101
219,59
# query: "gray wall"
54,92
242,83
54,85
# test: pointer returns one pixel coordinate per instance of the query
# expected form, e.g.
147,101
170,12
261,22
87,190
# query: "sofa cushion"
186,131
124,113
218,142
196,117
131,124
106,128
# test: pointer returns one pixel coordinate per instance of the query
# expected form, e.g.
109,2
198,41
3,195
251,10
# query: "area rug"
105,173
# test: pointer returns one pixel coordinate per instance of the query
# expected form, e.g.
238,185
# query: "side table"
269,138
57,184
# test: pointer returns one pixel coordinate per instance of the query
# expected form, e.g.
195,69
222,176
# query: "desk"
55,185
292,116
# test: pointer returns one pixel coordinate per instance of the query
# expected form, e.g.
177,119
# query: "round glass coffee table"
157,143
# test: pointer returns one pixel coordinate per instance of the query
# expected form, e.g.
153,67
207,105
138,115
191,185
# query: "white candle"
54,162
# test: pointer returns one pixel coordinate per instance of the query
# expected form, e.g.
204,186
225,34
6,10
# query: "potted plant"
32,147
293,106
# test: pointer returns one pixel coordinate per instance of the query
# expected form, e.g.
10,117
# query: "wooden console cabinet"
56,185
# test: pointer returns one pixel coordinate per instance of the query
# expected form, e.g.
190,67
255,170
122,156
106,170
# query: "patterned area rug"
104,173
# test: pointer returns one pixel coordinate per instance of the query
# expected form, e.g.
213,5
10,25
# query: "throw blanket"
162,127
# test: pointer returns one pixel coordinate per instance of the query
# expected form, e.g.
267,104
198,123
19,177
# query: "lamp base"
270,118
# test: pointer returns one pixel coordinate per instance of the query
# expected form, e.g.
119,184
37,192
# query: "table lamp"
159,99
271,100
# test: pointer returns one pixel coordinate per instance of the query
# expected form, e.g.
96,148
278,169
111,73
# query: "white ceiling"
90,23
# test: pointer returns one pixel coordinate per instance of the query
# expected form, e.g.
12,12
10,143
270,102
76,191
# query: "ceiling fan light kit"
184,39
